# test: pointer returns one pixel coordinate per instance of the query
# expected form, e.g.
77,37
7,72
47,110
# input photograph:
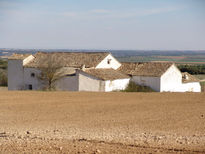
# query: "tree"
50,71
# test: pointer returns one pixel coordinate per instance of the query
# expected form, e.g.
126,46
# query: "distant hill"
116,53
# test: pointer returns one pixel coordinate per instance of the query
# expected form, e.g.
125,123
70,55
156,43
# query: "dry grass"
110,117
3,88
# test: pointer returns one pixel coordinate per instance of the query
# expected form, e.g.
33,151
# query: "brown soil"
82,122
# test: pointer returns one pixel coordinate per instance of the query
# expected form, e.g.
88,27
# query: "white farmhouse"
160,76
82,71
96,71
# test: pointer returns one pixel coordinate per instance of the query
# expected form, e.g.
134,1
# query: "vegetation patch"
3,64
3,78
192,69
152,58
133,87
3,72
202,86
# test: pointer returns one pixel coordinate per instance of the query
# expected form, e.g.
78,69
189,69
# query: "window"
71,74
108,61
30,87
33,75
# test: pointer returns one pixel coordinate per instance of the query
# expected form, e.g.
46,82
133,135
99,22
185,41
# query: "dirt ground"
83,122
3,88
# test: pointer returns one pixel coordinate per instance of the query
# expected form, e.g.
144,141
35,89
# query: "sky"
103,24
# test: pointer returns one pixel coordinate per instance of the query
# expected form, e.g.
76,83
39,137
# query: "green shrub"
3,79
133,87
3,64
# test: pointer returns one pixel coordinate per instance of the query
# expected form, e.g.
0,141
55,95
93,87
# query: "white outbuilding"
102,80
160,76
190,83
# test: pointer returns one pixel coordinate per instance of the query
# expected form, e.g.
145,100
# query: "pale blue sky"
103,24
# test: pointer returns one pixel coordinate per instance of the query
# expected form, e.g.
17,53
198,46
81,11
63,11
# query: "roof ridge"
74,59
146,62
47,52
17,56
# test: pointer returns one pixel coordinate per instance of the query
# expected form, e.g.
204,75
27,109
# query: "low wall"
119,84
191,87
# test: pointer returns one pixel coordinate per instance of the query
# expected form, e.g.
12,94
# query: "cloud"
124,14
141,13
100,11
15,10
68,14
158,11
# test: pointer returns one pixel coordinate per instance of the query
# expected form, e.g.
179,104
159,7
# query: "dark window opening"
108,61
71,74
30,87
32,74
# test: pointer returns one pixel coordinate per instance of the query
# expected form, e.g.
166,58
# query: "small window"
30,87
33,75
108,61
71,74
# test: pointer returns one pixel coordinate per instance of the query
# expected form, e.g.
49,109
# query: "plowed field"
83,122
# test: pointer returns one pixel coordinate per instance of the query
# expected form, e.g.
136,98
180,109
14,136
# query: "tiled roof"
18,56
155,69
186,77
106,74
68,59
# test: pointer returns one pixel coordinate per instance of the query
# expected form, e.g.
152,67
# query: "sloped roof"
186,77
154,69
68,59
18,56
65,71
106,74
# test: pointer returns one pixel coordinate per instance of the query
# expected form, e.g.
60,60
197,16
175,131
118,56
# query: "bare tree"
50,71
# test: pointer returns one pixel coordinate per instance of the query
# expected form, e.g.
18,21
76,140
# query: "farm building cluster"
95,71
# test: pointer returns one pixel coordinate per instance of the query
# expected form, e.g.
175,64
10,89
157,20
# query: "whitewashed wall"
113,63
29,80
15,75
152,82
171,80
69,83
90,83
119,84
190,87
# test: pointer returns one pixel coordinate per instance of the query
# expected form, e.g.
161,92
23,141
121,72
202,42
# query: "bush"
202,86
133,87
3,79
3,64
